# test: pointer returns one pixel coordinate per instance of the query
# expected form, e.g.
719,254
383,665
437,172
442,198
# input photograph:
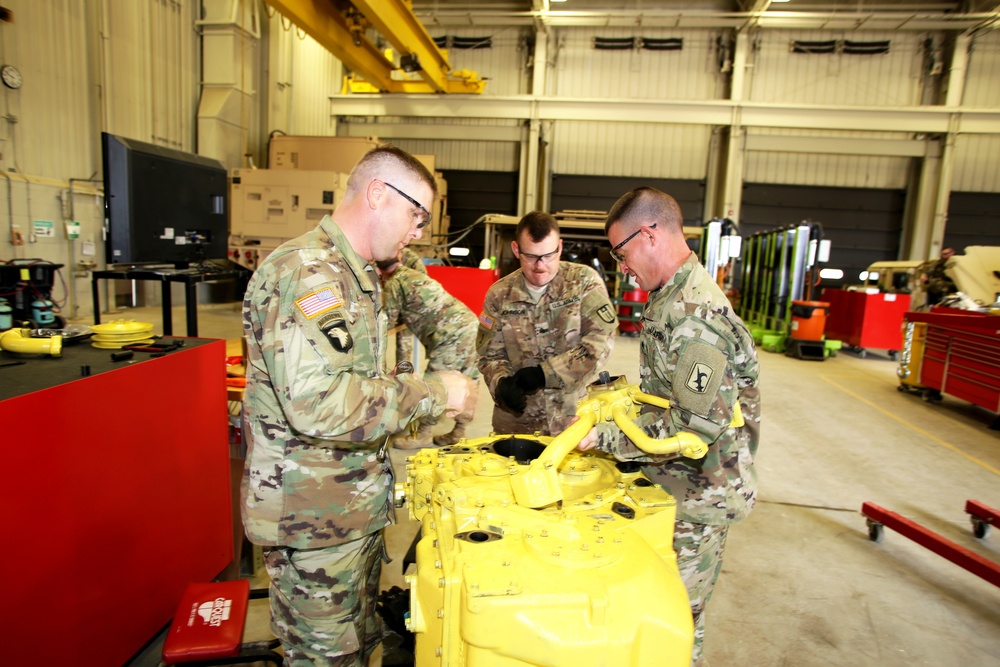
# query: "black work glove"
510,395
530,378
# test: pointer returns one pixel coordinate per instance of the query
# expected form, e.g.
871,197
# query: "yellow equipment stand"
535,553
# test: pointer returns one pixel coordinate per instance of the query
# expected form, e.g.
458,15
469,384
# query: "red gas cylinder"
638,296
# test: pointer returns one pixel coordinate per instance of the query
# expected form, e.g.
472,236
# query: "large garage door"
599,193
864,225
973,219
473,194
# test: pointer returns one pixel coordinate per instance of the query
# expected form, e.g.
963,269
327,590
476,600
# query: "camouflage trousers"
323,602
699,558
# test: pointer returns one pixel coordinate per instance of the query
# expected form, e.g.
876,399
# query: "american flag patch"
486,321
318,303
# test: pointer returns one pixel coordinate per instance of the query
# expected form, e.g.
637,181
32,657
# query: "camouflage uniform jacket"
318,403
443,324
697,353
412,260
569,333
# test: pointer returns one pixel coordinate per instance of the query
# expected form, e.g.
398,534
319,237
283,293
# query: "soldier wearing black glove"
510,395
530,379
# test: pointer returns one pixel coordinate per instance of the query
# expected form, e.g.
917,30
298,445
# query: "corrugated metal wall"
779,75
128,66
577,69
891,79
860,171
977,158
303,75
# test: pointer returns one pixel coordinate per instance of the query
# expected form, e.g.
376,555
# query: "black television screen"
162,205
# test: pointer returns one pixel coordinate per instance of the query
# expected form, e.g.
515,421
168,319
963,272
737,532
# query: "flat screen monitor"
162,206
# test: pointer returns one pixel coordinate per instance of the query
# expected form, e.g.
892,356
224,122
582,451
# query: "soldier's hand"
589,441
530,378
462,392
510,395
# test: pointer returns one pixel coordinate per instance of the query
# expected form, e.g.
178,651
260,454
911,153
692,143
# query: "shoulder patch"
606,313
486,321
318,302
336,331
699,374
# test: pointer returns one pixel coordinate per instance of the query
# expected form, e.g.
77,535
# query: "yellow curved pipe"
21,342
684,443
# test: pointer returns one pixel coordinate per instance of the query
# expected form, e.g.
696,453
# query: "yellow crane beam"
340,26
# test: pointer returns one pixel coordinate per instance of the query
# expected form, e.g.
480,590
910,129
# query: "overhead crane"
342,27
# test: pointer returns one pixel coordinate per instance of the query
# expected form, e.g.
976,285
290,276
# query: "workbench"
118,495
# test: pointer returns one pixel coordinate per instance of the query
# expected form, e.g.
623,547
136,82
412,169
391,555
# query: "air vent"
802,46
663,44
614,43
866,48
472,42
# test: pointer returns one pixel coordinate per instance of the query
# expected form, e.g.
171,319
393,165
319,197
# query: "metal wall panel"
130,67
579,70
466,155
846,171
981,84
630,149
891,79
303,75
503,65
977,164
977,157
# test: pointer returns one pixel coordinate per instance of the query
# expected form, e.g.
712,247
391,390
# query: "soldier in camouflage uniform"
937,283
404,338
319,407
444,326
697,353
544,331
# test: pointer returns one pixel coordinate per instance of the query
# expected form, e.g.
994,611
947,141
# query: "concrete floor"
802,584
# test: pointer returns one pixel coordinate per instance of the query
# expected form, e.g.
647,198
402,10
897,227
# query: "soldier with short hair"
544,332
319,408
444,326
698,354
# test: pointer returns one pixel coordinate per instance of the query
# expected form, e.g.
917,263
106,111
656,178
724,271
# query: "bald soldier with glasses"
544,332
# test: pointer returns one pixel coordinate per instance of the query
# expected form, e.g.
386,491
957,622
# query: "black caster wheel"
894,354
901,388
980,528
876,531
862,353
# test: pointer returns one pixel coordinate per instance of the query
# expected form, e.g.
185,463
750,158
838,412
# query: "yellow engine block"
573,567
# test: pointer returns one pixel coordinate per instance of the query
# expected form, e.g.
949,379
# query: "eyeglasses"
425,218
544,259
619,257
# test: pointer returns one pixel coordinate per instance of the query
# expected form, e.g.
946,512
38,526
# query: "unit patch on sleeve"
337,332
318,302
606,313
700,371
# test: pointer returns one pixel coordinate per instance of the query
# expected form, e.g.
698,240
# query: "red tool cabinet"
117,494
961,355
866,321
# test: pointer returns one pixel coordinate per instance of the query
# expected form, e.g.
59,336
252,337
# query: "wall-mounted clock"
10,76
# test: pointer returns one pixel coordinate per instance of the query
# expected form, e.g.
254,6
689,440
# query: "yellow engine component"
21,342
586,579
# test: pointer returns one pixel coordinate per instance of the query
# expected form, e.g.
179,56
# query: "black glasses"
544,259
619,257
426,218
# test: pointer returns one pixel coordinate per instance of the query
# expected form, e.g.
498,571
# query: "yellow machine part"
20,341
574,566
593,582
